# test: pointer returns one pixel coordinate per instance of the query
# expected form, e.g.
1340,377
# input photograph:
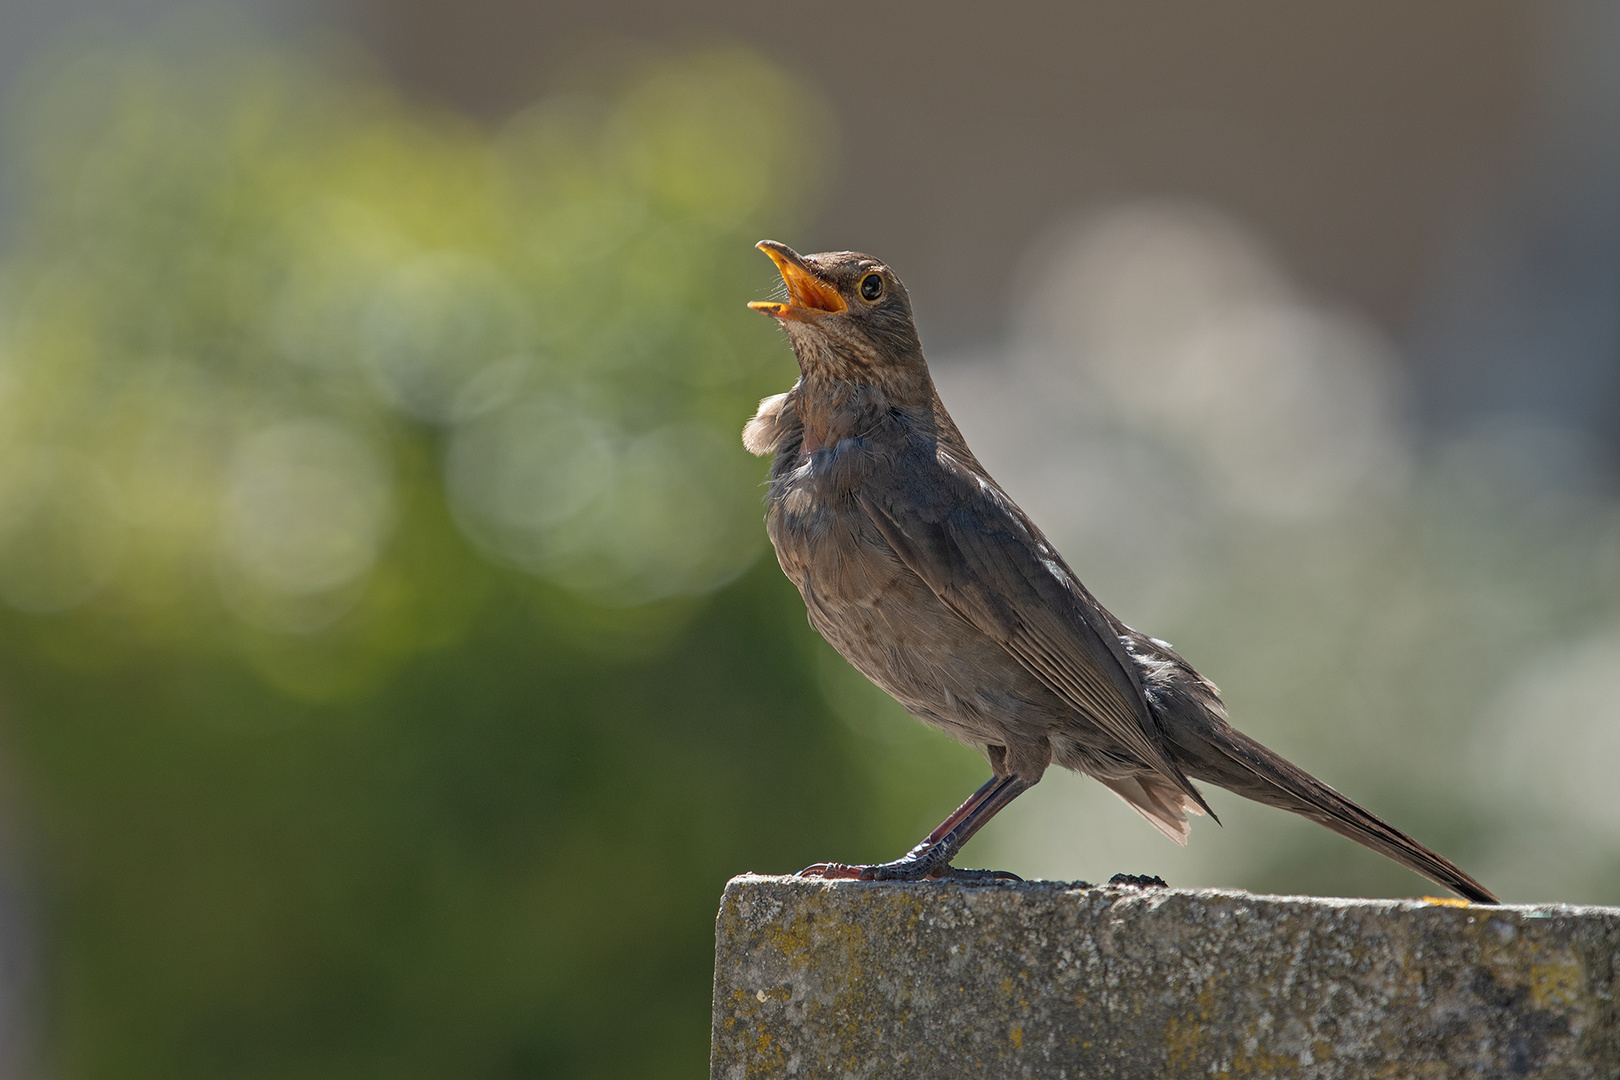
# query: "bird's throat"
823,426
833,409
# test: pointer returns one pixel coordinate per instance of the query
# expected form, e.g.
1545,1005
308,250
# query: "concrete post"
1046,979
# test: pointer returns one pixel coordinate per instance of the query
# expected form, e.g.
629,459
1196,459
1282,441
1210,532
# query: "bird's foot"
833,871
910,868
952,873
1139,881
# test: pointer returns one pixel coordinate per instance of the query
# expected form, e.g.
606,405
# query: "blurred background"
392,664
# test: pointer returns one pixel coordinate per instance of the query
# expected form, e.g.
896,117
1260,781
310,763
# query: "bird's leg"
931,859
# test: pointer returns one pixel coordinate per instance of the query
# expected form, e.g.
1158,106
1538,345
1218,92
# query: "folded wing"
985,560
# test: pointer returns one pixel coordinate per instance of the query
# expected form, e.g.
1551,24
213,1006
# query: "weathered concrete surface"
1041,979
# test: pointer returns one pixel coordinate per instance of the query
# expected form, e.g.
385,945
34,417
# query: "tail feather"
1227,757
1165,807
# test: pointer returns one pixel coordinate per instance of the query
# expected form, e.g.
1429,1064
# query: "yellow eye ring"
871,287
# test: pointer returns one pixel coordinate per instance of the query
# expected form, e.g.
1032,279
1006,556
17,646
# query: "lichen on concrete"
1044,979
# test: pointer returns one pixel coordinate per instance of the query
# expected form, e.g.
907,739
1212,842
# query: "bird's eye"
872,286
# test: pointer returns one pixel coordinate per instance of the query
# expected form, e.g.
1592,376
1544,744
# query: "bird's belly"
884,620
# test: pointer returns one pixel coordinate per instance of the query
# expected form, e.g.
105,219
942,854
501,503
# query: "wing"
978,552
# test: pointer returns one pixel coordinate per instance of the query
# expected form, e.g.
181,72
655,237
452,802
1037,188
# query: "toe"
832,871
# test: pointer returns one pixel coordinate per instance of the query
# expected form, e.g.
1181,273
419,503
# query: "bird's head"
847,316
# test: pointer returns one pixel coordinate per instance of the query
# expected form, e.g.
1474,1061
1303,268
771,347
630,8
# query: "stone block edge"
1038,887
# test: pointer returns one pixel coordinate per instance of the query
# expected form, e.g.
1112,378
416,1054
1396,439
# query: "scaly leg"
931,859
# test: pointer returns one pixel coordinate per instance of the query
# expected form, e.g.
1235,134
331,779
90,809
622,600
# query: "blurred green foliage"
391,675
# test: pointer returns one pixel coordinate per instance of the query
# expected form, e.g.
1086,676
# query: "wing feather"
984,559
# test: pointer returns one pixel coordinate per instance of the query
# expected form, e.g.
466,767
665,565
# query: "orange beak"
808,295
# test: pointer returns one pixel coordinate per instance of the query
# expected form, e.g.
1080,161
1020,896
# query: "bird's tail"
1225,756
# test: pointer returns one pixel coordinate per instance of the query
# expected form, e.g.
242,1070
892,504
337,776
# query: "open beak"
808,295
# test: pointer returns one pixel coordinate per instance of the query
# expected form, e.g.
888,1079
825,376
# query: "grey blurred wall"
1345,133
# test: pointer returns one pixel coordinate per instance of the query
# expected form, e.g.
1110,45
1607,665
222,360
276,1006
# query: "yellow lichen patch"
1555,985
819,939
1446,901
1184,1037
1198,1046
1195,1049
1184,1040
1264,1065
817,930
769,1060
1419,1070
1017,1037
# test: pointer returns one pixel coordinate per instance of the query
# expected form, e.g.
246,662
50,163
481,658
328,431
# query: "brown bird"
918,568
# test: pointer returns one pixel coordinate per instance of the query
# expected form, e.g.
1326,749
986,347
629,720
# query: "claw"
833,871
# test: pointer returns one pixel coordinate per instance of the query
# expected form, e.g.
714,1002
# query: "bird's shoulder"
936,478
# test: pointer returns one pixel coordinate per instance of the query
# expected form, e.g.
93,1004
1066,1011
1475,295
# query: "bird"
924,574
